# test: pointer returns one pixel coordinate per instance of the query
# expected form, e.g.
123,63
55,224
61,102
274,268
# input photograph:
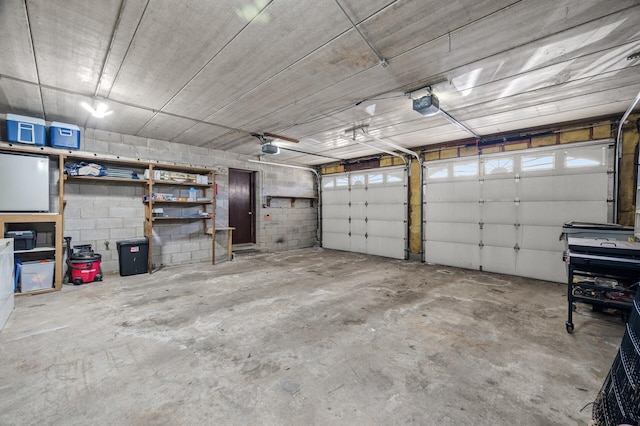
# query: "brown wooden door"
242,206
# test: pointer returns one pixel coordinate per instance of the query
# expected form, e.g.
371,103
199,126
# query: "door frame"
252,200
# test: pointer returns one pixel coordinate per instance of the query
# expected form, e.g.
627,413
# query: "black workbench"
592,265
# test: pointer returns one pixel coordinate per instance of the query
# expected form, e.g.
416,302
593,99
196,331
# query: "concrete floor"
304,337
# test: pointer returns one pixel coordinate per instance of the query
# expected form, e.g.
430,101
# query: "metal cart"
601,273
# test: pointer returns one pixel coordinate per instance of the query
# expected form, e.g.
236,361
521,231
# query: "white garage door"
504,212
365,212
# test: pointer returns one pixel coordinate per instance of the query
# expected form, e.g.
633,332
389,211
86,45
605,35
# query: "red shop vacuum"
83,265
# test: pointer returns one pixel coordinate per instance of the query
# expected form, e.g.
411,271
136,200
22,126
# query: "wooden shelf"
55,219
174,183
104,179
293,199
36,250
193,203
154,218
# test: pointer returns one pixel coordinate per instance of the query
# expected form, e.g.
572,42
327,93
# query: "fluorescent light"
100,111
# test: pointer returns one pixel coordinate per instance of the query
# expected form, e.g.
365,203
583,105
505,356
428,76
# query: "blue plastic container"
24,129
63,135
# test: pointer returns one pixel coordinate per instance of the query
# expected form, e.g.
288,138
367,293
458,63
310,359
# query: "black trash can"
133,256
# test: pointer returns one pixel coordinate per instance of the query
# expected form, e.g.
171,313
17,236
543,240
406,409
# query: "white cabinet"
6,280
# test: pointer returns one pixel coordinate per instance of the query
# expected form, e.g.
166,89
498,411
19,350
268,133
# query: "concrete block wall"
102,213
281,225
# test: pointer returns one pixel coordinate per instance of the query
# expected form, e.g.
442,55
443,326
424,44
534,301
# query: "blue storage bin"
24,129
63,135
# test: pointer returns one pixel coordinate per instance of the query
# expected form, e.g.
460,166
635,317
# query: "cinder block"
107,136
122,233
134,140
79,224
180,257
108,222
123,212
94,234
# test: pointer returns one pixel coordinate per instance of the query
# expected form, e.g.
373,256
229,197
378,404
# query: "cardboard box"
23,129
36,275
63,135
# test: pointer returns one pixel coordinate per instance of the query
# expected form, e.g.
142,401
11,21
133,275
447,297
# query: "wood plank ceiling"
210,73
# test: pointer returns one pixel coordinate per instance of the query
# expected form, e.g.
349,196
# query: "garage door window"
532,163
497,166
438,171
587,157
466,169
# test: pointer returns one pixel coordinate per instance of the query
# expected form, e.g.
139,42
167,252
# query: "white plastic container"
36,275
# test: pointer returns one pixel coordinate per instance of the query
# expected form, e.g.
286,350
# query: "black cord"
582,409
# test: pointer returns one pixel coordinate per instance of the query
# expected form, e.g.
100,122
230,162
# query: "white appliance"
25,183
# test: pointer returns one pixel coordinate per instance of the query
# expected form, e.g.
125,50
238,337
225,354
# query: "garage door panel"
582,187
388,247
358,196
335,198
498,259
453,191
500,212
335,225
391,212
385,228
452,254
358,211
453,212
358,243
358,227
499,190
550,213
438,192
499,235
387,195
336,212
465,233
542,265
336,241
541,238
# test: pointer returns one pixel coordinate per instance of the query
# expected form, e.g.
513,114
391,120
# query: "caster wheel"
98,277
77,281
569,327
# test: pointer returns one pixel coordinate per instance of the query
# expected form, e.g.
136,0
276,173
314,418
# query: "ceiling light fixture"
633,56
100,111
